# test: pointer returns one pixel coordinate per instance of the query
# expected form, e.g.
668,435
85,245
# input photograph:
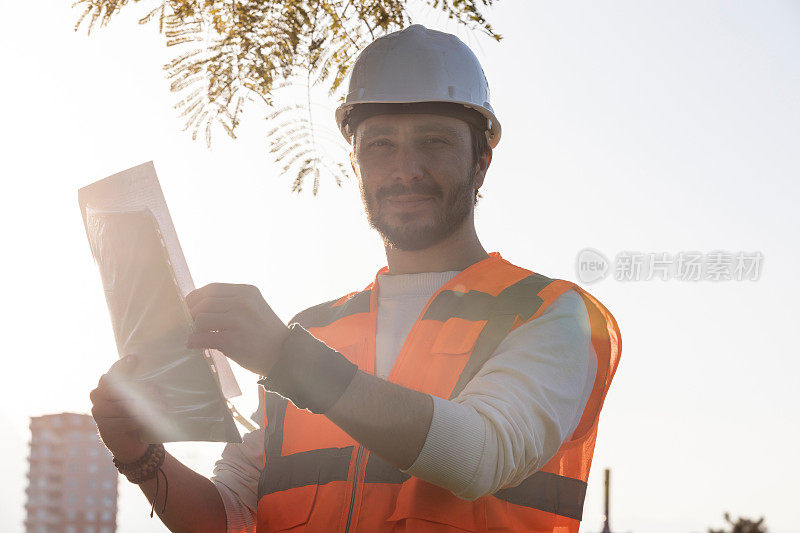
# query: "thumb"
124,366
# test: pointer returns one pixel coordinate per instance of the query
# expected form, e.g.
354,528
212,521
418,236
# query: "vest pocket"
422,507
302,490
286,510
457,336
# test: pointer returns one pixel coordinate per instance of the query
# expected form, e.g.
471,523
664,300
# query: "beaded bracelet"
145,468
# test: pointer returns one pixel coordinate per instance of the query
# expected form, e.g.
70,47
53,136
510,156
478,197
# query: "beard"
412,231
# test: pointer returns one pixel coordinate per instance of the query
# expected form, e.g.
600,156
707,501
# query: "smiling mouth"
408,201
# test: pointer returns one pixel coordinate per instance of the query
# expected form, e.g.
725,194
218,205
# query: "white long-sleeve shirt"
506,423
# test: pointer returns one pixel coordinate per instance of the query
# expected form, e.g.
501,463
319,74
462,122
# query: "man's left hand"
236,320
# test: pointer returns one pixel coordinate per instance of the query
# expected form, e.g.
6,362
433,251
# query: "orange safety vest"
318,478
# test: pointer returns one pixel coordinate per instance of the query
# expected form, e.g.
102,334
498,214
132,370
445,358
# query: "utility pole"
606,526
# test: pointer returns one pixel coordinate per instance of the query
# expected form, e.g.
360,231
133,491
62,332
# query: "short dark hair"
480,147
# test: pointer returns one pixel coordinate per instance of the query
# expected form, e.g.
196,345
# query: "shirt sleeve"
513,416
236,476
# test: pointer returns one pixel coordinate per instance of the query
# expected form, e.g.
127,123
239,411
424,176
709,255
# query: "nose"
408,163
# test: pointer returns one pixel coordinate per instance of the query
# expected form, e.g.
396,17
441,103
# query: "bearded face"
416,177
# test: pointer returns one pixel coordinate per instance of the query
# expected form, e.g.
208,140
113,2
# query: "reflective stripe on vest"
310,475
543,490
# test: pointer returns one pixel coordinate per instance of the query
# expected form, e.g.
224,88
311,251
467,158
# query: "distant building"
72,483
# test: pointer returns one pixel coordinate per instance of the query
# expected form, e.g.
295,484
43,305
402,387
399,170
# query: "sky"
628,127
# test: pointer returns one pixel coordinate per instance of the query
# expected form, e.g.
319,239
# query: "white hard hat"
419,65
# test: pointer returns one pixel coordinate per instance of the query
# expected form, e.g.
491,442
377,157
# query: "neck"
457,252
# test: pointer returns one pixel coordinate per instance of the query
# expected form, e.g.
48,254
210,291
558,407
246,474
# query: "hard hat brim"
493,129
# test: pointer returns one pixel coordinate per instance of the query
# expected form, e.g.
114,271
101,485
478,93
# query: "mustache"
426,189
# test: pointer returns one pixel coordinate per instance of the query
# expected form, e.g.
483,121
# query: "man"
456,392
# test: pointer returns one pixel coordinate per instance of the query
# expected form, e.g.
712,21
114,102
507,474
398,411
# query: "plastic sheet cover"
148,312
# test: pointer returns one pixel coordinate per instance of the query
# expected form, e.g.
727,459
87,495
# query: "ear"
353,160
487,161
483,166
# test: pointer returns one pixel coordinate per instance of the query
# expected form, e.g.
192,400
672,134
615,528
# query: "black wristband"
309,372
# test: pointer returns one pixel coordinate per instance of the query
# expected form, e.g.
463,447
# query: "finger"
123,367
141,409
123,392
211,304
210,322
115,387
217,290
119,425
204,340
115,409
98,395
107,390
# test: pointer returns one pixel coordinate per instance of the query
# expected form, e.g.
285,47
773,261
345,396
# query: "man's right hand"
117,412
194,504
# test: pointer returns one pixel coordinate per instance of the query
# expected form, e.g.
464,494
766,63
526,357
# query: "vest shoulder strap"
517,304
326,313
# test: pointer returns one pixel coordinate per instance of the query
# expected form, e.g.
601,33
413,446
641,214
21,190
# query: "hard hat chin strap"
362,112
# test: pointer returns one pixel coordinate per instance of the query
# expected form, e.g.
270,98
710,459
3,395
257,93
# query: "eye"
379,143
434,140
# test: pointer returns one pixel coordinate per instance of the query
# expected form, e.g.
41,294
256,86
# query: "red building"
72,483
